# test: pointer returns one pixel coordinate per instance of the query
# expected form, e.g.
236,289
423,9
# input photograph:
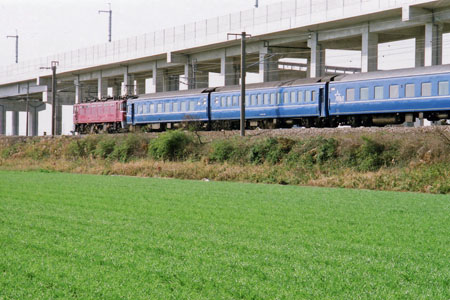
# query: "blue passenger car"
402,92
289,100
170,107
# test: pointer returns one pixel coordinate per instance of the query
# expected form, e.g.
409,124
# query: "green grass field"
95,237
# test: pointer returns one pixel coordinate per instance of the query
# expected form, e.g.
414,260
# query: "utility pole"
17,45
53,68
244,36
110,20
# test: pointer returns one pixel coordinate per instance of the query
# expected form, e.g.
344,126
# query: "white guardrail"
272,18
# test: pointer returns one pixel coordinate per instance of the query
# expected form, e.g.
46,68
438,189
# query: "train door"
323,102
132,114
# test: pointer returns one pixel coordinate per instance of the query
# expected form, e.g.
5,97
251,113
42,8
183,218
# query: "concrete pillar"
139,86
128,84
433,44
189,82
2,120
420,51
116,86
102,87
78,91
15,122
317,61
33,121
162,80
229,70
369,51
268,66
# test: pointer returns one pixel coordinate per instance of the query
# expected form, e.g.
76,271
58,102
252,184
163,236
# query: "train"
365,99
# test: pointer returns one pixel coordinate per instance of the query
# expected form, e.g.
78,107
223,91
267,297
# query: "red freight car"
106,116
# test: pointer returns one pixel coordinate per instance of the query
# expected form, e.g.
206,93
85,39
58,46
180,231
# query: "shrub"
171,145
124,150
83,147
372,155
313,151
8,151
105,147
271,150
221,151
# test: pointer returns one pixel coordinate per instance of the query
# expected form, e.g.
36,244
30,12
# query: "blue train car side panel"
164,110
407,94
272,103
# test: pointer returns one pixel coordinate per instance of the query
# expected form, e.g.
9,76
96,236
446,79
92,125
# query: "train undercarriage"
379,120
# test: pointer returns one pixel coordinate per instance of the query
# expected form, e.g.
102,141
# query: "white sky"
48,26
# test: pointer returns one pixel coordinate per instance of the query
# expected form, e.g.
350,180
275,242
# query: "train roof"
159,95
394,73
273,84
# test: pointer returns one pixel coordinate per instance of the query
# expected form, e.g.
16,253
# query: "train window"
260,99
160,108
183,106
140,109
308,96
350,95
273,98
176,107
145,108
192,105
223,102
152,108
266,99
426,89
235,101
168,107
410,90
300,96
254,100
394,91
379,92
364,93
286,97
229,101
278,98
443,88
293,94
313,96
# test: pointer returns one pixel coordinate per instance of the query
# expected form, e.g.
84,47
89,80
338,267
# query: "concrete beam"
410,13
397,24
341,33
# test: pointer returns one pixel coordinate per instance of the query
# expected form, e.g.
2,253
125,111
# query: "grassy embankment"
74,236
395,159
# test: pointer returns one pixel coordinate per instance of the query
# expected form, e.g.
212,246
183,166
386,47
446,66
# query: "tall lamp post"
17,44
110,20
